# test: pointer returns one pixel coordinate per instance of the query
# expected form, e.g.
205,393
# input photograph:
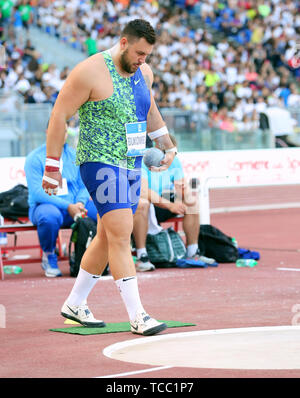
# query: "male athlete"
112,91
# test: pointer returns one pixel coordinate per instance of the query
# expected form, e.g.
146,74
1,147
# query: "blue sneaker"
49,265
196,261
189,263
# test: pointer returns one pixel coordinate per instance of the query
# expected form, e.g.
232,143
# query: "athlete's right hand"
51,181
77,208
177,207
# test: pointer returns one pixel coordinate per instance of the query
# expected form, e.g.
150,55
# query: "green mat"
112,328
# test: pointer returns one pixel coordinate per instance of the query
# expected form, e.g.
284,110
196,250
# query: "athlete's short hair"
139,28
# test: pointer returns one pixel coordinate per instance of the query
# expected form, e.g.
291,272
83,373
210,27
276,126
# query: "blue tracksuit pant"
49,219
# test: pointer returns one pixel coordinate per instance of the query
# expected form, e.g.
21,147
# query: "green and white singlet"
103,124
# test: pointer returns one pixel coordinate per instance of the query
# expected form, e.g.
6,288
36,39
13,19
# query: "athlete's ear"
123,43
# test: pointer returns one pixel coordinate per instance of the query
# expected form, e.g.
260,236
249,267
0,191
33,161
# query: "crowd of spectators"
225,60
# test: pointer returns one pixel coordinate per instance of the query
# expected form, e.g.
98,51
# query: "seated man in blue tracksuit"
50,213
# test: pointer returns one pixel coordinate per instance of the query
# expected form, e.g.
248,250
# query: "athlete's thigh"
100,228
134,181
108,186
118,224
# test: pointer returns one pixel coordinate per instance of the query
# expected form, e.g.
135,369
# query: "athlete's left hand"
165,163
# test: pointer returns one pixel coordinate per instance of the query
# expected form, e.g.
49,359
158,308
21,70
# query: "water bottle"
77,216
89,239
12,269
246,262
3,235
81,214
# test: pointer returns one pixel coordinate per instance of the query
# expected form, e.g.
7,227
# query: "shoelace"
146,318
85,311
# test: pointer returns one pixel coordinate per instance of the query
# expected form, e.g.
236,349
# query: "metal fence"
193,133
22,129
295,114
22,126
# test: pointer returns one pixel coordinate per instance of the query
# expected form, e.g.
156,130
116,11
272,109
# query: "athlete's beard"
125,63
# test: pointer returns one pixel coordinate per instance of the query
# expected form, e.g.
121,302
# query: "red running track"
212,298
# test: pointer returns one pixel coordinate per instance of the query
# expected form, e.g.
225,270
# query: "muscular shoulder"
147,74
88,69
84,74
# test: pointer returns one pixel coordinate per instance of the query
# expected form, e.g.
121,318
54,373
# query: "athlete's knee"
192,204
118,227
100,236
143,206
119,238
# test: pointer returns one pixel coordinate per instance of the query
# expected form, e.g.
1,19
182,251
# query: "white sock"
129,291
82,287
141,251
192,249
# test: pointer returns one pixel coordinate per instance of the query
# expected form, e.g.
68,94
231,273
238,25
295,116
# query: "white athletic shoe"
145,325
81,314
50,266
207,260
143,264
197,257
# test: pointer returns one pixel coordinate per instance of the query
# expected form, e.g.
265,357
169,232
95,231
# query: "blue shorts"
112,187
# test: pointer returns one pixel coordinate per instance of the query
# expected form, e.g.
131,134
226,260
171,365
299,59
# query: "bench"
175,221
16,228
